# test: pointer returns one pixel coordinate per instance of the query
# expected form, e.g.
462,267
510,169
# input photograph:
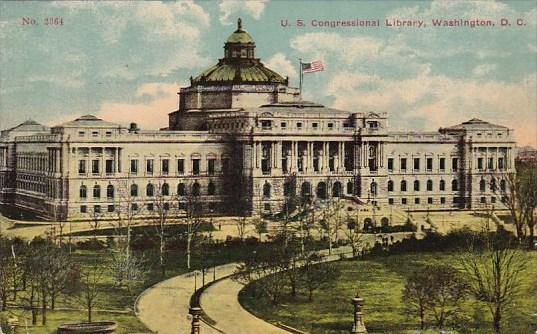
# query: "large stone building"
242,139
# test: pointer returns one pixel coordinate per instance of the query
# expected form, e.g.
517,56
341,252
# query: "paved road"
163,308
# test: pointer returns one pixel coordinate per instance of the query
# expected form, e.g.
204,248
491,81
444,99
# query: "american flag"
314,66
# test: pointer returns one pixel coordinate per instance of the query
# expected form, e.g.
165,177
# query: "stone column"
358,326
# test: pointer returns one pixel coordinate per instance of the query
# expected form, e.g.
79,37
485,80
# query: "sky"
125,61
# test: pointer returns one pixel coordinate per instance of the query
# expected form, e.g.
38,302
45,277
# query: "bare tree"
7,269
241,223
493,270
91,277
354,237
193,221
127,210
164,208
315,275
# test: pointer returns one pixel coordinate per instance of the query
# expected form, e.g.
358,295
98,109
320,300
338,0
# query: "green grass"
113,297
380,282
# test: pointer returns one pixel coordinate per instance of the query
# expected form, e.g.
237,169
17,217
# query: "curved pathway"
163,308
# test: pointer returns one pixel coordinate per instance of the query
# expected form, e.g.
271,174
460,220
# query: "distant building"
242,139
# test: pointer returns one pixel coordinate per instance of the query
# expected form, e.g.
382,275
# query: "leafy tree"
7,270
416,295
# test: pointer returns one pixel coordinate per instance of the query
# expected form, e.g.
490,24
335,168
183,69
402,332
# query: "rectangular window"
390,163
210,166
81,166
416,163
95,134
283,125
480,163
416,201
97,209
149,166
403,163
83,209
403,201
109,133
390,201
315,125
95,166
165,166
442,163
500,164
455,164
491,163
299,125
134,166
330,126
429,200
429,164
81,133
196,166
266,124
109,166
111,208
180,166
442,200
150,207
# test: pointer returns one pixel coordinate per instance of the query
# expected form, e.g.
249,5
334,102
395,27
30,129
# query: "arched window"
321,190
373,189
416,185
403,185
429,185
211,189
181,189
503,185
287,189
305,190
266,190
455,185
493,185
442,185
150,190
165,190
336,189
134,190
97,191
196,189
390,185
482,185
350,187
83,191
110,191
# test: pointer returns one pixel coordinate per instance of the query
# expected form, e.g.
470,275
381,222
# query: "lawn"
380,281
117,303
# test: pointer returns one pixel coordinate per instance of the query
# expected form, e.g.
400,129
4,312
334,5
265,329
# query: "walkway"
163,308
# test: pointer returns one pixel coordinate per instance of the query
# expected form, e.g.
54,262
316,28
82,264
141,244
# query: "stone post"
195,312
358,327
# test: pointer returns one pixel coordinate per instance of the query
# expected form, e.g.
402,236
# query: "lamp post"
195,312
358,326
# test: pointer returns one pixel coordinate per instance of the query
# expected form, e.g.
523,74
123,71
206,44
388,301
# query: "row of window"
429,185
430,200
150,190
416,164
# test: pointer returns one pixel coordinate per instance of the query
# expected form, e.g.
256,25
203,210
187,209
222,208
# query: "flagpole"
300,76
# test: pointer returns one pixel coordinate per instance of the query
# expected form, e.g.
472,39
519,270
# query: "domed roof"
239,65
240,35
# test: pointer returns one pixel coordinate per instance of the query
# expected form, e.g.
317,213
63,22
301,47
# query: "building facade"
243,141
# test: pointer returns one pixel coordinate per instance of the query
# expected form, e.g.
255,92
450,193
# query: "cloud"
282,65
228,8
483,69
151,112
428,101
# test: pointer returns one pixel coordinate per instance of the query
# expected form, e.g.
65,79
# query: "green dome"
239,64
240,36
